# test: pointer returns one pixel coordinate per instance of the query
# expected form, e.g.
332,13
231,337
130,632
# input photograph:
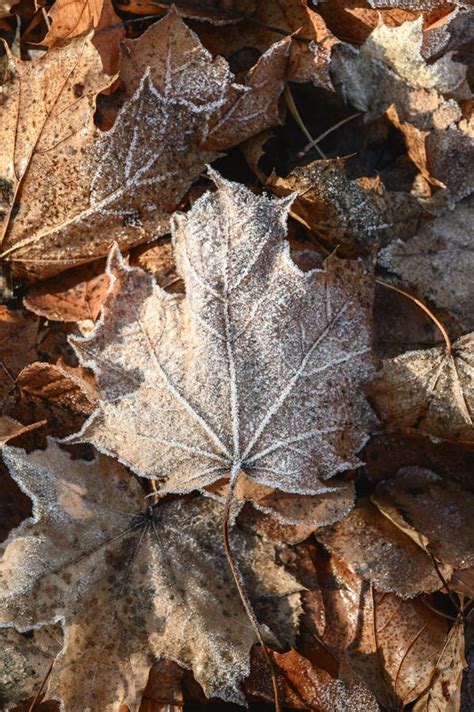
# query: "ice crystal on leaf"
255,369
132,584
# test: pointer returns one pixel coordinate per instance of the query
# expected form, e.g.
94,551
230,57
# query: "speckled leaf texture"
132,584
256,369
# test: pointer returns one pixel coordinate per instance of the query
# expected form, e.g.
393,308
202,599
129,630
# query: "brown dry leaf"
219,13
133,584
18,345
71,18
25,660
61,385
379,552
431,391
163,692
439,262
439,509
343,211
390,643
73,296
257,368
305,686
444,693
118,185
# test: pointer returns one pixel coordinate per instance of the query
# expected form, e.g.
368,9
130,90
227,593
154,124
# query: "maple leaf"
438,261
120,185
255,369
431,391
131,584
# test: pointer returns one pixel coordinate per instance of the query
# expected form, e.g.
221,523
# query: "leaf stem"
422,306
290,102
240,585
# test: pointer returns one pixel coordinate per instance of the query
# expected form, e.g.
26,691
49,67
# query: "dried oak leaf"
439,262
132,584
390,643
71,18
440,510
122,184
257,368
431,391
25,660
344,212
379,552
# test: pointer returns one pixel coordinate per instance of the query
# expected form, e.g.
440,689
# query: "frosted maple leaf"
256,369
131,584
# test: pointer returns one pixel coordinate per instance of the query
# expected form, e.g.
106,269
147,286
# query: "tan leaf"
18,336
73,296
257,368
444,693
119,185
71,18
132,584
439,262
439,509
431,391
59,385
305,686
379,552
344,212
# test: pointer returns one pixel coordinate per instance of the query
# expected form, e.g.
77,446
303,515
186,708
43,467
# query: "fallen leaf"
305,686
18,346
379,552
119,185
438,262
11,429
71,18
344,212
224,379
126,588
206,10
439,509
431,391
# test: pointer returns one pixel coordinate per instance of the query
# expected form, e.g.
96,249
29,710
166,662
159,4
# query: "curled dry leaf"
305,686
71,18
379,552
132,584
439,262
25,660
431,391
344,212
257,368
439,509
122,184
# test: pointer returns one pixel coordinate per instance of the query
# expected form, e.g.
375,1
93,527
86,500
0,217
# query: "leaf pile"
236,356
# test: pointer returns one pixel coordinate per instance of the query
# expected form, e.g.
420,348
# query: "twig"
297,117
422,306
314,144
239,583
40,691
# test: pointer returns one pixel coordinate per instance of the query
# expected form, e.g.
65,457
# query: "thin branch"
243,593
314,144
422,306
290,102
40,691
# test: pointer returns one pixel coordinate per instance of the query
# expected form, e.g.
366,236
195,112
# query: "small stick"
38,694
297,117
422,306
243,593
316,141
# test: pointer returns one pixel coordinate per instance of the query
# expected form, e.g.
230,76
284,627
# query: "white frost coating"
225,378
132,585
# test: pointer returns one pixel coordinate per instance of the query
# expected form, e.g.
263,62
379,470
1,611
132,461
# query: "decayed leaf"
376,550
390,643
344,212
305,686
431,391
73,296
71,18
120,185
25,661
18,332
444,693
256,369
132,584
439,262
439,509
